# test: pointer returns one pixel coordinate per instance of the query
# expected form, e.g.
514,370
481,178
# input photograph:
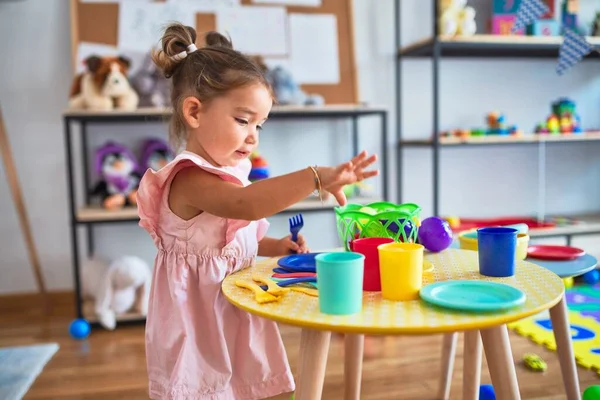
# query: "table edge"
403,330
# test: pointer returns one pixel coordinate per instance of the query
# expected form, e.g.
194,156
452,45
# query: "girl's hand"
333,179
287,246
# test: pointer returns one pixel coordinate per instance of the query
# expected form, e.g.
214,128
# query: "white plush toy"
457,18
116,288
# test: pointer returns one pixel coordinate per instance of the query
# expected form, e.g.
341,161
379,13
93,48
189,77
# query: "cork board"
94,22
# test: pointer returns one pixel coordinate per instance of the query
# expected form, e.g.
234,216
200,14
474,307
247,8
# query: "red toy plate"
295,275
549,252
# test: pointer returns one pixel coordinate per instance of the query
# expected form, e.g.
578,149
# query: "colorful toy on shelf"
569,14
504,16
260,168
119,177
456,18
563,119
496,125
155,154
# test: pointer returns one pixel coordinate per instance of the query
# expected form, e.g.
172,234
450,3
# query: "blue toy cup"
340,282
497,248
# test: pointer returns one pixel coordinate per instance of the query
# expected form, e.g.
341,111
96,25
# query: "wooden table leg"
314,346
498,353
353,360
448,354
472,365
564,349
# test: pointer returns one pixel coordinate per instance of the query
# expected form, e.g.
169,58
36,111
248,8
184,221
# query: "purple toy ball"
435,234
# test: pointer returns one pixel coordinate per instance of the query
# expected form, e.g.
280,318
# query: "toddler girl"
208,221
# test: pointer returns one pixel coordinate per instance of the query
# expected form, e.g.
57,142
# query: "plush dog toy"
116,288
151,85
104,86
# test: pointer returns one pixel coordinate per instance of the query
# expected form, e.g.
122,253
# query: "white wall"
35,74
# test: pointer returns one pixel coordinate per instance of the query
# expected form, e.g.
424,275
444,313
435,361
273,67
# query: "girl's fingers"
356,160
368,174
365,163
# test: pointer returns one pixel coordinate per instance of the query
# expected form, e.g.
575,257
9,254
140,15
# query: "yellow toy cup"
401,270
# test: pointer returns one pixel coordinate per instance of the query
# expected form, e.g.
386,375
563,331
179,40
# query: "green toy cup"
340,280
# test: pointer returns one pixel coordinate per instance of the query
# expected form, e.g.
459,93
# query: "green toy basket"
397,221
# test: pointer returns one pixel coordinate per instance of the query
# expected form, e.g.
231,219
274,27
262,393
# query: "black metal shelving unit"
475,47
87,217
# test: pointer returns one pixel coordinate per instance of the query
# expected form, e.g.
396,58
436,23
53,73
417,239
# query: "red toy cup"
368,248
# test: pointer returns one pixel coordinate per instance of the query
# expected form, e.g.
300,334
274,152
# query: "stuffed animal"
287,91
116,288
152,87
103,86
457,18
119,176
155,155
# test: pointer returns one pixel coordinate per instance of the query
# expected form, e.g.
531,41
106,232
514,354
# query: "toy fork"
296,223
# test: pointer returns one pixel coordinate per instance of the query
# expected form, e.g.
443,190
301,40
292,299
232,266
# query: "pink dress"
198,345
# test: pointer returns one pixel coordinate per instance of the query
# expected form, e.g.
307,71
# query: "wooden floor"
111,365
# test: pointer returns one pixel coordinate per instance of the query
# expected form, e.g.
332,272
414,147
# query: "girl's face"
225,130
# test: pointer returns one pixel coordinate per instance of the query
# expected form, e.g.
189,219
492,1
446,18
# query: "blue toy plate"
467,295
299,262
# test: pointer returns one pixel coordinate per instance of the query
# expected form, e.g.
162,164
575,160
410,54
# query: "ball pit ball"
79,329
394,228
592,393
592,277
486,392
435,234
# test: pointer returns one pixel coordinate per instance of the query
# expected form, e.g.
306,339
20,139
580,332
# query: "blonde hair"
206,73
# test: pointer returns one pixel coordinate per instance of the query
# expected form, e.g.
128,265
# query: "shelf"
90,315
505,139
160,114
90,215
501,46
588,224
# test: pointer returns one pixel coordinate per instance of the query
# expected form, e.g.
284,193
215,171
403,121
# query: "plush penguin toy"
118,171
155,154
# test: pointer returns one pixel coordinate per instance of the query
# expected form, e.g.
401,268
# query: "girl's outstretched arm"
198,190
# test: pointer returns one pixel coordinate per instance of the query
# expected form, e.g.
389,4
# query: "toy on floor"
568,282
435,234
591,277
486,392
592,393
79,329
119,176
104,86
456,18
117,287
156,153
260,168
563,119
534,362
151,85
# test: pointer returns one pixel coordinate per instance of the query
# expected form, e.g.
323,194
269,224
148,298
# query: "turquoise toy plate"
468,295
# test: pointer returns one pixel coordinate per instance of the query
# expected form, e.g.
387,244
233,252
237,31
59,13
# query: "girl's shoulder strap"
154,184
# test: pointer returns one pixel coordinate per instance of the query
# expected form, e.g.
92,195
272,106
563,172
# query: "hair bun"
215,39
177,38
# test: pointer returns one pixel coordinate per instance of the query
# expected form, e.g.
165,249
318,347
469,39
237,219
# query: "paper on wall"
204,6
86,49
308,3
255,30
141,24
314,57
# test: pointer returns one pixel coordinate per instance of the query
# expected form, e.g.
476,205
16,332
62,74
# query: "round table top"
570,268
564,269
542,288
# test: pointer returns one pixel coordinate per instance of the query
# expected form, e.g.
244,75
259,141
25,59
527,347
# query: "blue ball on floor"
79,329
592,277
486,392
